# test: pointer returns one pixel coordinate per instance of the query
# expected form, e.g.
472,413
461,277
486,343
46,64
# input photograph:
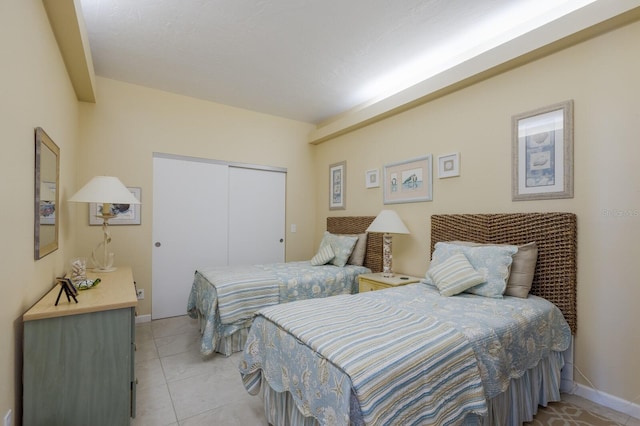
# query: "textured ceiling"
301,59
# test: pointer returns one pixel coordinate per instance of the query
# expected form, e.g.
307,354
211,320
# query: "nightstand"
372,282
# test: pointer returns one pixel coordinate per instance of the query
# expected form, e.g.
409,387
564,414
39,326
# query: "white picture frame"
372,178
449,165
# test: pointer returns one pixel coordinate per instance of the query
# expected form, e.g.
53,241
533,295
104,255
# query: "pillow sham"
342,246
522,270
492,262
325,253
359,250
454,275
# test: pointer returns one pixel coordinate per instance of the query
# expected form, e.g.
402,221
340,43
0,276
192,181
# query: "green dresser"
79,358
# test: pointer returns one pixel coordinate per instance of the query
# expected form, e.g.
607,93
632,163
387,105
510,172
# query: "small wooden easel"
69,289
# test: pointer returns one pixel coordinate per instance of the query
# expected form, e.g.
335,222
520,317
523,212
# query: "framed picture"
449,165
408,181
337,186
542,153
47,203
372,179
126,214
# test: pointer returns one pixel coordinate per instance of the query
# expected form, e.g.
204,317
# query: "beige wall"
119,134
34,91
129,123
601,76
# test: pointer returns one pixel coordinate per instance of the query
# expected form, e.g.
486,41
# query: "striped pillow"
454,275
325,253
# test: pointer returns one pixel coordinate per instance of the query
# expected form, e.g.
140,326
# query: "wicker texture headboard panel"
554,233
359,225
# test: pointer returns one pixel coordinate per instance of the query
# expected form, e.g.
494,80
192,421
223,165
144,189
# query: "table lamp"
107,190
387,222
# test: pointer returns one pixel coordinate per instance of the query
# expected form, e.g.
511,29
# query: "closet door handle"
158,244
281,240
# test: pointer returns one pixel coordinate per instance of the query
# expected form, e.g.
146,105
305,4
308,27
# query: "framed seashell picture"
542,153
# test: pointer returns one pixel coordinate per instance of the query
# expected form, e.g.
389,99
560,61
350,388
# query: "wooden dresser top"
115,291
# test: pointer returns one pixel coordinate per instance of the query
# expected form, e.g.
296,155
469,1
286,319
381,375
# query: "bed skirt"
229,339
519,403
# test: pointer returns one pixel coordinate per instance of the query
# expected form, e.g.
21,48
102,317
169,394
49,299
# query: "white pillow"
454,275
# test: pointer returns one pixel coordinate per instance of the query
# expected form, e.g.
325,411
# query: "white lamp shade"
104,189
388,222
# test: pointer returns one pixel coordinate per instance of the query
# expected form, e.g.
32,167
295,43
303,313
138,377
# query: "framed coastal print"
449,165
47,203
126,214
542,153
408,181
337,186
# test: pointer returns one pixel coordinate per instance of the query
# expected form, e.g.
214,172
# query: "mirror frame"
43,141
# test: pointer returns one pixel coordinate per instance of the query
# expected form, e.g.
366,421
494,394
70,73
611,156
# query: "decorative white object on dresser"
79,357
377,281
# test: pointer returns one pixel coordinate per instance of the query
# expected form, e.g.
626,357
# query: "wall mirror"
47,173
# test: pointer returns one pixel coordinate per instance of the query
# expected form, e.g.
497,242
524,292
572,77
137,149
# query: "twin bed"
408,355
225,299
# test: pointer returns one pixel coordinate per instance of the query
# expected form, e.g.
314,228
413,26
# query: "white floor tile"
177,344
188,364
149,373
146,350
236,414
201,393
173,326
143,332
154,407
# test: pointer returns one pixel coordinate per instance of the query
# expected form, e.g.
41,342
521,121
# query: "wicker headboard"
359,225
554,233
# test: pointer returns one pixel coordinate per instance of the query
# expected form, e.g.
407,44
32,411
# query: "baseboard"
609,401
143,318
568,385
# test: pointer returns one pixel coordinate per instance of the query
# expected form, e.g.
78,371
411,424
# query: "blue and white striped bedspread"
242,290
405,368
226,298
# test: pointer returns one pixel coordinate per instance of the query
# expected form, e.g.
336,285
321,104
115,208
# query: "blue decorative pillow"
522,270
342,246
492,262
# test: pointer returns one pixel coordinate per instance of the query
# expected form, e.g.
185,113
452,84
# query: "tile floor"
176,387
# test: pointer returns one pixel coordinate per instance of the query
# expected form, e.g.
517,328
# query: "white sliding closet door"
256,216
207,213
190,216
